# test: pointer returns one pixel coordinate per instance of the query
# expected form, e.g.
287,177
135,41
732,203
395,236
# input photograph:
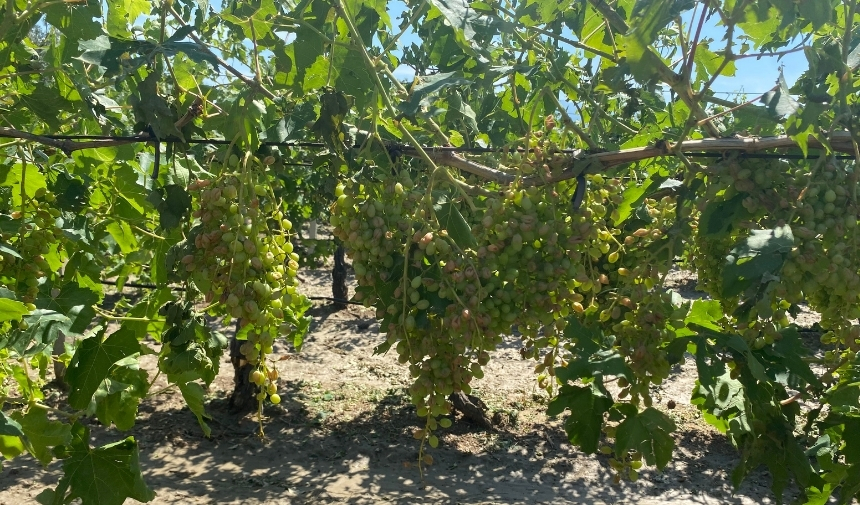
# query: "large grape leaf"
106,475
44,327
193,393
761,254
428,88
719,218
461,16
92,362
587,407
118,396
601,363
9,426
458,229
13,175
779,102
41,434
73,301
648,432
634,195
12,310
172,202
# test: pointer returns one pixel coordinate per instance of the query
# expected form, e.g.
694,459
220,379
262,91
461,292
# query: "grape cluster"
243,259
530,261
36,237
817,200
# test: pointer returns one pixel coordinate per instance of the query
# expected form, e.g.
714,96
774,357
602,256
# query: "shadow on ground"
370,458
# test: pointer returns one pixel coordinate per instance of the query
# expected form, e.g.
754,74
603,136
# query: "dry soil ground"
343,435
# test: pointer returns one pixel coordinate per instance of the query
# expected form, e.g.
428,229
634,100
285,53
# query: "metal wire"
320,145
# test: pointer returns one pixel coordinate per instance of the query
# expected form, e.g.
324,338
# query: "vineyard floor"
342,434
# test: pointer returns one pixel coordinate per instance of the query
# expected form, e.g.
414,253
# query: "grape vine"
491,167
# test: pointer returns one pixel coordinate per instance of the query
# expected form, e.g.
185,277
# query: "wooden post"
339,290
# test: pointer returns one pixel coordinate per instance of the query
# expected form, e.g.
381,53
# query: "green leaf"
757,259
460,15
11,446
9,426
44,327
193,393
41,434
779,102
118,396
73,301
122,13
12,176
819,13
601,363
587,407
92,362
106,475
788,354
648,432
293,125
429,87
458,229
649,18
724,403
705,313
634,195
738,345
12,310
123,235
173,204
460,111
719,217
152,109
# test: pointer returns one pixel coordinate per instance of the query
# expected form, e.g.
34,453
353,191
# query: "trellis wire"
391,146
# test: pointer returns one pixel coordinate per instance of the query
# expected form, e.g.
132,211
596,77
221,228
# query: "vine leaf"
9,426
458,229
428,88
651,18
153,110
601,363
757,259
634,195
73,301
786,355
11,176
587,406
11,446
647,432
12,310
718,218
42,434
92,362
106,475
334,107
44,326
118,396
193,393
293,125
122,13
779,102
461,16
723,403
172,202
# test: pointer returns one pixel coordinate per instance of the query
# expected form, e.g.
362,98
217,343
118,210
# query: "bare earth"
343,435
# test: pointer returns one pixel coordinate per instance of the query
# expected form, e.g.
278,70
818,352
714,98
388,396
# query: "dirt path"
343,435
